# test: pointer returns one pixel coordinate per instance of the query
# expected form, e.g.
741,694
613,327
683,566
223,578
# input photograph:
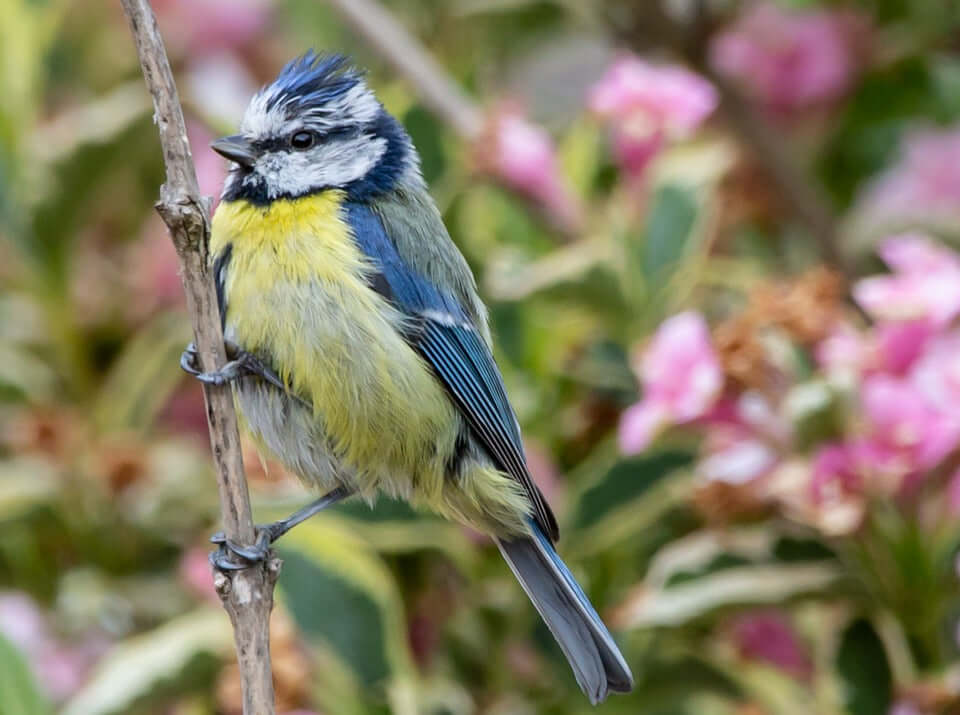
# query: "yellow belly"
297,294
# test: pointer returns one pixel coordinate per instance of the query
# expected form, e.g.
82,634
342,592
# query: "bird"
359,351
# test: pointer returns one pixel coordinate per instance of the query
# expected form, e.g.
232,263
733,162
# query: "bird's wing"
441,331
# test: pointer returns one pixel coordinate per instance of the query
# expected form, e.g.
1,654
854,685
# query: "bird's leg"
268,533
241,364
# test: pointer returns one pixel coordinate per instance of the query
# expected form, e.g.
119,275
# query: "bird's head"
317,126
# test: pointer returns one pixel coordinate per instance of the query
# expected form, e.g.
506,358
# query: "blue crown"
312,80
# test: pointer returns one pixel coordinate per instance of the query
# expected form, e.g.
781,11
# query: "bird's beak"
235,148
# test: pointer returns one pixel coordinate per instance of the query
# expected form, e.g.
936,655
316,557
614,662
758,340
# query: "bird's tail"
596,661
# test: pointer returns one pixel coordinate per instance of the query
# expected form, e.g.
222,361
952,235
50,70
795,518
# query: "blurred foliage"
106,495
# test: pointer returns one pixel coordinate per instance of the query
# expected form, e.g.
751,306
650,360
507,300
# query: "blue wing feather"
444,335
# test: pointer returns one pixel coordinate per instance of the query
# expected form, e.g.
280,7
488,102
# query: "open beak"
236,148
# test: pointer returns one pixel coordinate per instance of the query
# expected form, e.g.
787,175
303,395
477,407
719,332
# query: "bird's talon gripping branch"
233,557
241,364
267,534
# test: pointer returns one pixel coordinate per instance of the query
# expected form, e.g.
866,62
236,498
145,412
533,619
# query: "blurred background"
717,239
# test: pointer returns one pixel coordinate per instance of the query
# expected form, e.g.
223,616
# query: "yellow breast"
297,292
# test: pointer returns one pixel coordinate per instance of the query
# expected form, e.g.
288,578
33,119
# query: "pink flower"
22,622
925,284
648,105
211,168
681,378
837,486
905,707
834,473
936,375
737,458
59,668
843,351
220,83
769,636
205,26
789,59
897,346
903,421
524,158
921,189
195,575
890,348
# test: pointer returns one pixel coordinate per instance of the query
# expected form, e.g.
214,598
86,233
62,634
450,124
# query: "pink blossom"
769,636
22,621
834,473
905,707
152,272
524,158
59,668
936,375
221,83
897,346
924,285
205,26
890,348
902,420
648,105
844,350
920,189
194,573
681,378
640,424
737,458
904,436
790,59
211,168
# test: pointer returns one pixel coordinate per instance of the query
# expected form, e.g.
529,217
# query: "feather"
442,332
597,663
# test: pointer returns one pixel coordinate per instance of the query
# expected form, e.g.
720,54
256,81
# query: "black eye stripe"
283,143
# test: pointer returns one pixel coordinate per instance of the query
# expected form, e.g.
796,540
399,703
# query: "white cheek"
328,165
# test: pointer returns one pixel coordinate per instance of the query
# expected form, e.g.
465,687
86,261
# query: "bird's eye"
302,140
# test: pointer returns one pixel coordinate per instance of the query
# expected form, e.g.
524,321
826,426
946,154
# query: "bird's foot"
231,556
241,364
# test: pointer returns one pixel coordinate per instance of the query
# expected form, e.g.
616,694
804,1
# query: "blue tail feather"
597,663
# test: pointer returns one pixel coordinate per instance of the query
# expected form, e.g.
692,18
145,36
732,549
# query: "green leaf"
26,483
627,480
670,682
631,497
737,586
138,666
862,664
18,692
344,599
673,214
143,376
427,135
868,133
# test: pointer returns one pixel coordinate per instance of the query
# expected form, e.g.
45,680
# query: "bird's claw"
241,364
231,556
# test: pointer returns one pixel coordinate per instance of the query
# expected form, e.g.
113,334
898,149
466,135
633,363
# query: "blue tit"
361,356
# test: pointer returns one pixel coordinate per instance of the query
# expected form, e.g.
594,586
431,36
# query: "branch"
247,594
407,56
